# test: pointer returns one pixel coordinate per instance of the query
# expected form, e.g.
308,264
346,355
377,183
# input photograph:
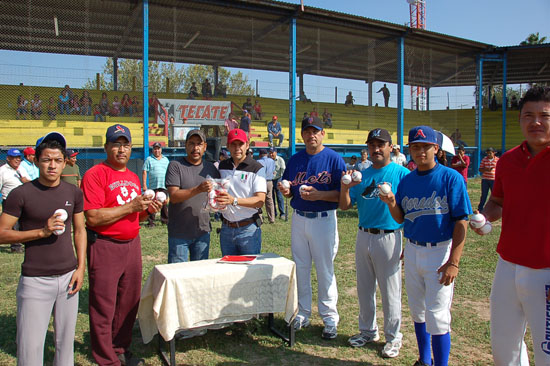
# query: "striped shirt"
491,164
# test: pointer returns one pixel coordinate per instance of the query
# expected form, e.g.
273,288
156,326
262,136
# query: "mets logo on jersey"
415,207
420,133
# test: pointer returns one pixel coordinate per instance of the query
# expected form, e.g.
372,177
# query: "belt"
376,231
312,215
425,244
108,238
236,224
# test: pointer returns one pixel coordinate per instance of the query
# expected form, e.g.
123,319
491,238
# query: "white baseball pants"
429,301
518,298
377,260
316,240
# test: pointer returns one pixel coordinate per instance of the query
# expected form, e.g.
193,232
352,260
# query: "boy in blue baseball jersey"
433,203
314,235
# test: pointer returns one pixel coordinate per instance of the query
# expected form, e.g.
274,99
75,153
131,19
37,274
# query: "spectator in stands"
126,106
98,116
386,94
365,162
36,107
349,100
327,118
275,131
63,103
352,163
22,107
135,106
86,104
487,168
104,105
303,98
220,90
115,107
245,122
314,113
68,91
206,89
514,102
75,104
461,162
231,123
305,117
441,156
29,164
493,105
257,110
456,138
248,105
397,157
193,91
154,103
52,109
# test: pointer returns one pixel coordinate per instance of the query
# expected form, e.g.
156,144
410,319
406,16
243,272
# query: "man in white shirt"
397,157
12,175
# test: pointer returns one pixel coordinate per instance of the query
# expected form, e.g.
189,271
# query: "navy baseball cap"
312,122
116,131
56,136
379,134
14,152
424,134
263,152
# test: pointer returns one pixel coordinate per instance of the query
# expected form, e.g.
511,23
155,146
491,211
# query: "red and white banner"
204,112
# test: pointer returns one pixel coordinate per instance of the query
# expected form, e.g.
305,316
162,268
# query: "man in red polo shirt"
461,162
114,206
520,293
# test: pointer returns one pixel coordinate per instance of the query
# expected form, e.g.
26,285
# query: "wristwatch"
235,201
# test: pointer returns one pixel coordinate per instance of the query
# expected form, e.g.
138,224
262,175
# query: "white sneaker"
391,349
300,323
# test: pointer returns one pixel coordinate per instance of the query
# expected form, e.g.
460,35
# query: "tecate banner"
204,112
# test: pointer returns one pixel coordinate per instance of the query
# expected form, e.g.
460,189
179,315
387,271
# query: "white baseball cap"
397,147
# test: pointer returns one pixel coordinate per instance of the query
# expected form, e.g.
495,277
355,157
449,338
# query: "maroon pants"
114,273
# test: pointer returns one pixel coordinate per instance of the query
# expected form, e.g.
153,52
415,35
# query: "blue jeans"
278,196
281,137
179,249
241,240
486,184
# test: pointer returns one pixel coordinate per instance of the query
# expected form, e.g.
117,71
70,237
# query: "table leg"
291,333
171,359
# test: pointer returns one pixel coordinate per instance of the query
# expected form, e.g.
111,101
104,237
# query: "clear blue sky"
498,22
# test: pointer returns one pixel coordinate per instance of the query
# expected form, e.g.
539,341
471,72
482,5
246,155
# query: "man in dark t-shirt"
51,276
188,223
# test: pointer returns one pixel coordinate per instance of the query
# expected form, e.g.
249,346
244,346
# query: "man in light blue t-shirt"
378,245
154,169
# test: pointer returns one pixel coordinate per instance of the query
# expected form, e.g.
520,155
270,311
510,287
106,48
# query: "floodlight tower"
417,10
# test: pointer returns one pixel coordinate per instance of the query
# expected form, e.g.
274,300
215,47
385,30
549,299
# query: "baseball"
63,216
486,229
356,176
346,179
302,188
477,220
161,197
149,194
285,183
385,188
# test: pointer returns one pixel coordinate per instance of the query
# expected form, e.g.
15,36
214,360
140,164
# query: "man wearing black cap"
269,165
378,245
114,206
154,168
188,223
314,175
51,276
71,173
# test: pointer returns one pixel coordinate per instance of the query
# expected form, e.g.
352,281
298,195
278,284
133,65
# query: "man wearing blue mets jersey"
314,175
433,203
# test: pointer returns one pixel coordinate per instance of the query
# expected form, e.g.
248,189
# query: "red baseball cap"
236,135
28,151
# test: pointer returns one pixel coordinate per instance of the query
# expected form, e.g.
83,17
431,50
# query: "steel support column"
400,88
145,79
292,87
504,100
479,110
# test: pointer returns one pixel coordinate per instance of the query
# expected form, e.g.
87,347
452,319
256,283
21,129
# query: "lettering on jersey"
322,178
371,191
416,207
545,345
128,190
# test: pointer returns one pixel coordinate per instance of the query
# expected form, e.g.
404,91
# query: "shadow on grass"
347,213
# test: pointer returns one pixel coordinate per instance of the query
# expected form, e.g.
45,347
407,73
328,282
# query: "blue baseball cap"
14,152
56,136
424,134
116,131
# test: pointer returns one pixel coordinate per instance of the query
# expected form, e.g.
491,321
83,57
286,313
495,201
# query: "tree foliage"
130,77
533,38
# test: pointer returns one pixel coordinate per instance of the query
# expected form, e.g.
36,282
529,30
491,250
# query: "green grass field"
252,344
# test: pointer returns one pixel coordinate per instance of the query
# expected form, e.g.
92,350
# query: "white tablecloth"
201,293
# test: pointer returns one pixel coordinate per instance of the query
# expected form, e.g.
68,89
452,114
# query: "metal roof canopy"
253,34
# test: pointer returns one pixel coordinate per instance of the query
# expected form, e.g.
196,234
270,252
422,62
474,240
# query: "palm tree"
534,38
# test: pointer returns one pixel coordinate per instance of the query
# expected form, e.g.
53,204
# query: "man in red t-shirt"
521,288
114,206
461,162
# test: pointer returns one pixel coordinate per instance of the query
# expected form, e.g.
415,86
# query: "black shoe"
420,363
127,359
329,332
